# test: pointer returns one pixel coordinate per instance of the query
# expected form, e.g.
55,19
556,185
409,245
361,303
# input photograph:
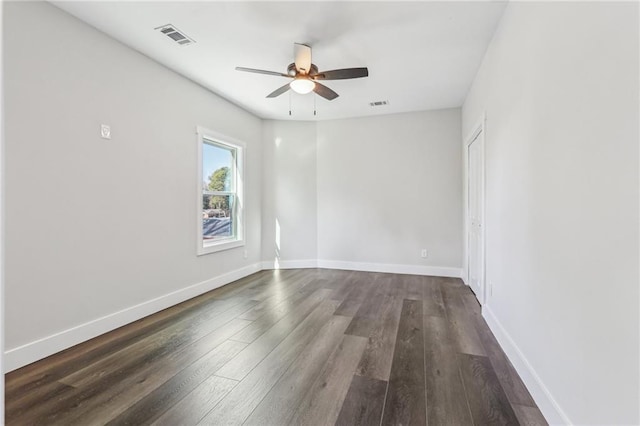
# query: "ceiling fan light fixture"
306,77
302,85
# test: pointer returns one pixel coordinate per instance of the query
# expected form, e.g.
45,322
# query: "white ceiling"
420,55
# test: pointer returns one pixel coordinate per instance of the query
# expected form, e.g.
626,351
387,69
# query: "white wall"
364,193
289,219
559,85
389,186
1,220
94,226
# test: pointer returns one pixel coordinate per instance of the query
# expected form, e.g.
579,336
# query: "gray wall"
364,193
289,218
559,86
389,186
2,299
98,226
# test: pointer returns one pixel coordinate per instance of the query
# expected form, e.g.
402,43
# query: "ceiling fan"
305,75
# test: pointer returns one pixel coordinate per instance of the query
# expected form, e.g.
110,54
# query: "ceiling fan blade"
279,74
342,74
325,92
279,91
302,57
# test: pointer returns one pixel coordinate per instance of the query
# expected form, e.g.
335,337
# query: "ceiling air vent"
176,35
378,103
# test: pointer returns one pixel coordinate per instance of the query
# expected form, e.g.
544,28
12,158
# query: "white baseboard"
463,276
290,264
549,407
26,354
436,271
42,348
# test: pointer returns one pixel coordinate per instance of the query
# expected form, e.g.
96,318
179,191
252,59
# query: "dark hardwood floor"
304,347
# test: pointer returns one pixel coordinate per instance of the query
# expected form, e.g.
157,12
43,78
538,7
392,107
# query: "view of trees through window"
218,181
218,191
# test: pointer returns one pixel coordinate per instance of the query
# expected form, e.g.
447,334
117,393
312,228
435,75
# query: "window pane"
217,214
221,209
217,168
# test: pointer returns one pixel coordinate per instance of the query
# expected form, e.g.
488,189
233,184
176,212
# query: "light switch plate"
105,131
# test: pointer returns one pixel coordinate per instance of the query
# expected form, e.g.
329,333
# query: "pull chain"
289,102
314,104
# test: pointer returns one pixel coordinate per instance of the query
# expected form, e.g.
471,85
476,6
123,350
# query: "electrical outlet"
246,254
423,253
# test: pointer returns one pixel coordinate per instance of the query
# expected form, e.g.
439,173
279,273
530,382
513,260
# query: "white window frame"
206,247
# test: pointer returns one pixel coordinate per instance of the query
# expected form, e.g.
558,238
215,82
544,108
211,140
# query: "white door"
475,219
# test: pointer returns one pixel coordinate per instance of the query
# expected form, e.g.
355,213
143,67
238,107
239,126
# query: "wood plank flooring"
302,347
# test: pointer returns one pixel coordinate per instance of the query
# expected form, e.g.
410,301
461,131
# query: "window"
220,203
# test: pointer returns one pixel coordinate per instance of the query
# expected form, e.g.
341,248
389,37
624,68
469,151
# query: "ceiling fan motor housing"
292,71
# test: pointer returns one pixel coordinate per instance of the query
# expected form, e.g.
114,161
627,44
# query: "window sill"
213,247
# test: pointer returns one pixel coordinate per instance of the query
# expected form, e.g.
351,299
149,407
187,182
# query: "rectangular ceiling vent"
176,35
378,103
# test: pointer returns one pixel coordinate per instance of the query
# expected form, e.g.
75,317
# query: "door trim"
478,131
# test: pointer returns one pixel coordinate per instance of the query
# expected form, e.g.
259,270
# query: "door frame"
478,132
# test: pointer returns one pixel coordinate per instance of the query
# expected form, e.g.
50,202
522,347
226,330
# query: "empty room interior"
310,213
